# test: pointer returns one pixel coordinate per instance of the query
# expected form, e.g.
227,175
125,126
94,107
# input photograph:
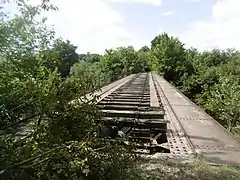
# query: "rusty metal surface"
178,142
106,90
161,120
128,110
207,136
154,100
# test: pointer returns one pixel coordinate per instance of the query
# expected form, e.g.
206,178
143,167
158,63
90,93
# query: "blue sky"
96,25
171,15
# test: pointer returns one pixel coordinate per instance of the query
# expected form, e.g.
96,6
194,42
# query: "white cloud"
192,1
221,31
92,25
168,13
153,2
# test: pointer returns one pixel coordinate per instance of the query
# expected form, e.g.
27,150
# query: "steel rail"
124,86
140,101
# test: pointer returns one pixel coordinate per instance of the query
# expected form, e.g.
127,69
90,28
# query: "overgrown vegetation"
48,127
169,169
210,78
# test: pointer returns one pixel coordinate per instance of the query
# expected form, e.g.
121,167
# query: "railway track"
129,111
147,110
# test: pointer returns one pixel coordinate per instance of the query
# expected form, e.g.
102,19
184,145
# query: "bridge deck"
206,135
146,109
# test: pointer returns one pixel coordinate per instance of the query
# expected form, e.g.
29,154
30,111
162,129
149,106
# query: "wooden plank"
122,103
132,114
154,103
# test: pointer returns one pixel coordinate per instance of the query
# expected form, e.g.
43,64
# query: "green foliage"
123,61
215,86
93,72
48,126
209,78
91,58
171,58
23,34
223,102
200,75
220,96
62,55
145,49
113,65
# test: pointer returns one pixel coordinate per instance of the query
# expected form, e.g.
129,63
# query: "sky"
96,25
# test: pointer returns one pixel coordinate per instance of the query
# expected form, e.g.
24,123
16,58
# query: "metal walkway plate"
206,135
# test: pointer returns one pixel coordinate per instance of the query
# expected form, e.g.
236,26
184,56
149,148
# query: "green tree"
64,55
48,127
145,49
171,58
92,58
124,61
214,85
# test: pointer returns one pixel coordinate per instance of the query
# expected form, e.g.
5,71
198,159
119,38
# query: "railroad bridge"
146,109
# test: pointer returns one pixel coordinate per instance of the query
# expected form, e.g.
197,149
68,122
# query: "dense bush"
48,126
209,78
